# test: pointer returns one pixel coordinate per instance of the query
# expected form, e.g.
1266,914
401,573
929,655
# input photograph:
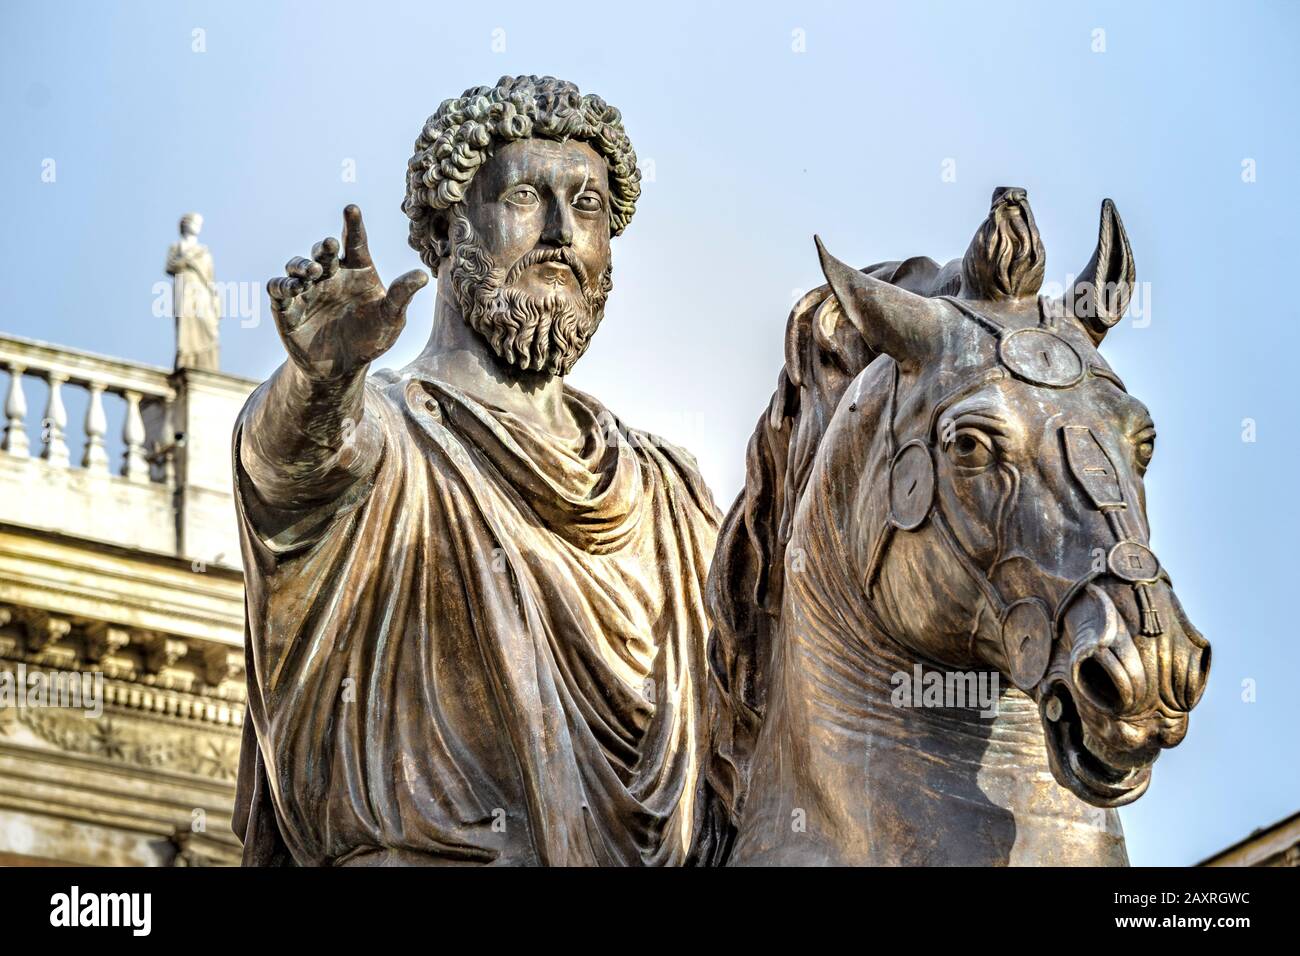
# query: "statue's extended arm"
306,437
304,442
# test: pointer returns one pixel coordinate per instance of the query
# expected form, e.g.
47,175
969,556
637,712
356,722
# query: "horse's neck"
848,771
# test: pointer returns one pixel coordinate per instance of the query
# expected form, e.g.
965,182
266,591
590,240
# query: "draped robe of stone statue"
475,598
194,298
490,652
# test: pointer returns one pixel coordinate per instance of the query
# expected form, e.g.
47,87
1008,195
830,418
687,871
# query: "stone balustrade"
160,482
146,393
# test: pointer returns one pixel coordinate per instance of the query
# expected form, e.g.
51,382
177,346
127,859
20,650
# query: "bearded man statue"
476,620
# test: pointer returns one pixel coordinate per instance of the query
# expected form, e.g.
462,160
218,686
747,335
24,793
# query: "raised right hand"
334,315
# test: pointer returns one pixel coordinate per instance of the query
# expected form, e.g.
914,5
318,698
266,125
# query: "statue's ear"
440,230
1105,285
907,327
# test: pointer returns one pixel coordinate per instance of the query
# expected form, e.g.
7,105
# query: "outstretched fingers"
282,289
308,270
356,250
286,301
326,252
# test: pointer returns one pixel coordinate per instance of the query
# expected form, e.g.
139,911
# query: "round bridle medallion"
1133,562
1027,641
1041,357
911,485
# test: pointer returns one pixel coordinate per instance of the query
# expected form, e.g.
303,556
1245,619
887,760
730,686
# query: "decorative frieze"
144,744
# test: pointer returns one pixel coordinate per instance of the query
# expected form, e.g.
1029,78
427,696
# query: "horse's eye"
1144,446
971,449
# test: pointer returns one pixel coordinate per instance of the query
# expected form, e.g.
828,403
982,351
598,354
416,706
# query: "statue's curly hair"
461,135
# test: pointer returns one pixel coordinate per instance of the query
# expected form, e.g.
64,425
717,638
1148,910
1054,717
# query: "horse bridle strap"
1041,357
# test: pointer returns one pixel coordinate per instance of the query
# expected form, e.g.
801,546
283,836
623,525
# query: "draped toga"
490,650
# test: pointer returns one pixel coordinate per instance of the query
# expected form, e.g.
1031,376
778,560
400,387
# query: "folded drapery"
492,650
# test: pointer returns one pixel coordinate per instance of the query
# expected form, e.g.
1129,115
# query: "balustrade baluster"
95,457
55,423
135,466
15,440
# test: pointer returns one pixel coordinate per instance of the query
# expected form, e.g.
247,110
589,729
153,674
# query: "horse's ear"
1105,286
901,324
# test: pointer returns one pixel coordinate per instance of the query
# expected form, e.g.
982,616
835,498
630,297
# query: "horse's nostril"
1095,684
1199,676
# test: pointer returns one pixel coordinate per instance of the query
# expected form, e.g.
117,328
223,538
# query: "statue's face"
530,257
540,193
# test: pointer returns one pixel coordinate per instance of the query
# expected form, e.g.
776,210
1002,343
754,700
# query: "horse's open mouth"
1079,769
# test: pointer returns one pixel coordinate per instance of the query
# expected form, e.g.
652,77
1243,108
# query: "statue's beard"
531,333
1005,260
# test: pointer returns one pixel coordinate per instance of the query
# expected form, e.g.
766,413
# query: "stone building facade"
119,570
1276,845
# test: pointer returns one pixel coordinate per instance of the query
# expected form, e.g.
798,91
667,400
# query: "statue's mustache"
549,254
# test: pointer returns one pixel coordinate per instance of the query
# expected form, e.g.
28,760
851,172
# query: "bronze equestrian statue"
947,482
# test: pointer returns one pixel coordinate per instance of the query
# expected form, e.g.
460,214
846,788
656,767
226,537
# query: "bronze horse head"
974,502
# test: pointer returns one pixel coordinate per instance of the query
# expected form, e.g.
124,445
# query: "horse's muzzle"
1114,698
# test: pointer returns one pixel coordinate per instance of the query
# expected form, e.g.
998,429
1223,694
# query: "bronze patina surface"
476,619
948,480
478,629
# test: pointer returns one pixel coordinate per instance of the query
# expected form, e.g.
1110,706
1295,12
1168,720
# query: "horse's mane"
824,353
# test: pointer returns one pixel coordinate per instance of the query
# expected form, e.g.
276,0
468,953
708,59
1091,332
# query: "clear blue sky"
754,147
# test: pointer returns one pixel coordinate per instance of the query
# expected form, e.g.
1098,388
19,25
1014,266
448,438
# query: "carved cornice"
144,671
43,629
104,640
222,664
161,651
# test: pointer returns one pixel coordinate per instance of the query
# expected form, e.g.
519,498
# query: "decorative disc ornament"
1135,562
1027,641
911,485
1041,357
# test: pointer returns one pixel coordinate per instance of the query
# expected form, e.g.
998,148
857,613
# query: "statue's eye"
589,202
523,196
971,448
